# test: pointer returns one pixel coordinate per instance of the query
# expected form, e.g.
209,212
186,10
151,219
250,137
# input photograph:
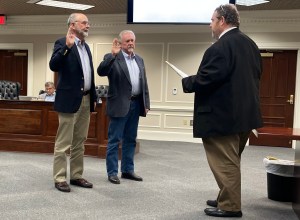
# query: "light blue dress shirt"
134,72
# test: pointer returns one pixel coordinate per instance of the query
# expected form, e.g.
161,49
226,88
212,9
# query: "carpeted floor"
177,183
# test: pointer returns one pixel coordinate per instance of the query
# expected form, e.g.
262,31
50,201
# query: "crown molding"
251,21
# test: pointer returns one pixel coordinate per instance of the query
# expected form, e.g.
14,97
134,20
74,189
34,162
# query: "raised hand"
116,47
70,38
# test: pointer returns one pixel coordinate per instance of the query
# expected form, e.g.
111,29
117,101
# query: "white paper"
254,131
178,71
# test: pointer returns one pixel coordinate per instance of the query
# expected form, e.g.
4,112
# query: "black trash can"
280,188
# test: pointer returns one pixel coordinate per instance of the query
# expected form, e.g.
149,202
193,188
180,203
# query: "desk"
30,126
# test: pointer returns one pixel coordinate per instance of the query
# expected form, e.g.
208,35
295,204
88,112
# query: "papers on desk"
178,71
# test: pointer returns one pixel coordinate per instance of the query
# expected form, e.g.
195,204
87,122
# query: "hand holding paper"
178,71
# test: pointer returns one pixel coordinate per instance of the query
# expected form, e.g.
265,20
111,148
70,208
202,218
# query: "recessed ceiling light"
60,4
250,2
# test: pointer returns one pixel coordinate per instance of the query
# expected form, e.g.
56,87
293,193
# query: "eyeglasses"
84,23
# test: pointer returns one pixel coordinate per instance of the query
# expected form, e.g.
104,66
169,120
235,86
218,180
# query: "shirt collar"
78,41
127,55
53,94
224,32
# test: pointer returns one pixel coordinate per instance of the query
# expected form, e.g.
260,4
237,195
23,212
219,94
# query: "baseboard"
167,136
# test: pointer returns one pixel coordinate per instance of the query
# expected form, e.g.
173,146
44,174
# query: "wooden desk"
292,133
275,136
30,126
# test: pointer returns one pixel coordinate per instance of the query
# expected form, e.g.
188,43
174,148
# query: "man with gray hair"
128,98
227,105
75,99
49,94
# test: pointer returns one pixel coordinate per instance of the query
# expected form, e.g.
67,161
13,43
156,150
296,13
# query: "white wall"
170,115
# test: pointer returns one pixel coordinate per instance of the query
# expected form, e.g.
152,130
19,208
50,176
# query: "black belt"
86,92
135,97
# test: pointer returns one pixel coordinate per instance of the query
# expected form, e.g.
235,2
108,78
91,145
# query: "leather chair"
101,91
9,90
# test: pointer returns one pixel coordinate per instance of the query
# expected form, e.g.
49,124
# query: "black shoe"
62,186
131,176
212,203
221,213
114,179
82,183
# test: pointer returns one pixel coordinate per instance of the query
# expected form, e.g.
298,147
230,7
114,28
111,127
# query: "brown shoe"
82,183
62,186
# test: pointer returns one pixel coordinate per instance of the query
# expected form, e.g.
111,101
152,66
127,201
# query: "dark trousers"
122,130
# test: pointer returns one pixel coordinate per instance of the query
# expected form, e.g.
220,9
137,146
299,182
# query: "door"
277,92
13,67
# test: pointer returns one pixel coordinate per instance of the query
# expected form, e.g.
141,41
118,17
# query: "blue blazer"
119,91
70,85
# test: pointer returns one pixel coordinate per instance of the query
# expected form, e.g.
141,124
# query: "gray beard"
85,34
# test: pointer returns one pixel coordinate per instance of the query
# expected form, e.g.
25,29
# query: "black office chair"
101,91
9,90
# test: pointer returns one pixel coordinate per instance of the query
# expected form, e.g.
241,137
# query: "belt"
86,92
135,97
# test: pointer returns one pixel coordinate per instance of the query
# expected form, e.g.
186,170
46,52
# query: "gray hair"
124,32
72,18
47,84
230,14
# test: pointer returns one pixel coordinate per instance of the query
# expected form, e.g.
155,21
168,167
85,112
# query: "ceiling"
20,7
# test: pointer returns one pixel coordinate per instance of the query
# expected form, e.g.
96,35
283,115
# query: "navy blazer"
119,91
70,85
227,87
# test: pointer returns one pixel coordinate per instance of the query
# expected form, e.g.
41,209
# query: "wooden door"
13,67
277,92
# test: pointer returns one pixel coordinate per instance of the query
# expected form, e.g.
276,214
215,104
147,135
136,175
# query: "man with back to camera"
75,99
127,99
227,105
49,93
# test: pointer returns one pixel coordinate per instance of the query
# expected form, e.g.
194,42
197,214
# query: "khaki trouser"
224,156
71,134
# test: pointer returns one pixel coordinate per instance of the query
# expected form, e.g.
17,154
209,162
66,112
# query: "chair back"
9,90
101,91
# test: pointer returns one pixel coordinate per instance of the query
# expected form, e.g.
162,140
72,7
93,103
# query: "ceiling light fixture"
60,4
250,2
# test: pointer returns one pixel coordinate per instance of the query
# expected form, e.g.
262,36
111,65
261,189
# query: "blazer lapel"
123,65
74,48
90,57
